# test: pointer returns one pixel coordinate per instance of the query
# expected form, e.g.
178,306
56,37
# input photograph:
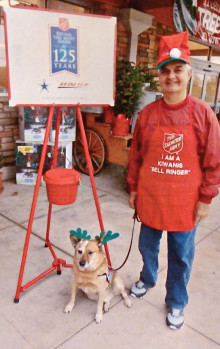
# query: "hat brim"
169,60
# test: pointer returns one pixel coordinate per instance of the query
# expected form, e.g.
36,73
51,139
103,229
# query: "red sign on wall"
208,22
200,17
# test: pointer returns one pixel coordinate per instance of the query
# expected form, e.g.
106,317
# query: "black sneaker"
138,289
175,318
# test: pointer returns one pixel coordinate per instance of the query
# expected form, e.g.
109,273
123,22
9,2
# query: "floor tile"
142,326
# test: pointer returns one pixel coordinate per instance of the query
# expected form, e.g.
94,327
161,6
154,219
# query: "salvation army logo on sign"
64,50
173,143
63,23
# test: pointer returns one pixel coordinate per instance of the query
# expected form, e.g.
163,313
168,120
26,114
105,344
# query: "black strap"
135,217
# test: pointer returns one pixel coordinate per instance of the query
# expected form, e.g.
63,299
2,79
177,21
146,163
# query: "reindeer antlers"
80,234
102,238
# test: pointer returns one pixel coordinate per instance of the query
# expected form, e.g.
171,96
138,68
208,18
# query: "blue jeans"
181,249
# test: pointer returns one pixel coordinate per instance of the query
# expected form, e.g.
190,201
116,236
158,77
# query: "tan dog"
92,275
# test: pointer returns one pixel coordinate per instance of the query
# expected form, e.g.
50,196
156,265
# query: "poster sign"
59,58
201,18
64,53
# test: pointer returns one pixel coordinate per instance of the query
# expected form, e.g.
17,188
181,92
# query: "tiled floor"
38,321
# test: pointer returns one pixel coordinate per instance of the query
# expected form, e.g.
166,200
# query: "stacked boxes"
67,131
28,150
27,158
32,124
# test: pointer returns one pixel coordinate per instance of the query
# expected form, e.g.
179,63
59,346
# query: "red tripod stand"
57,263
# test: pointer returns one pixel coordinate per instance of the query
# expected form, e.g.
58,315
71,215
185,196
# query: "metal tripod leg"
90,169
33,206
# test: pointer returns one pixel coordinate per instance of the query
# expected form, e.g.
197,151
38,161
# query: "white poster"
59,58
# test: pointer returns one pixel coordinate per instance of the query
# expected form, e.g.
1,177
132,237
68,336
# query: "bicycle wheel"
96,149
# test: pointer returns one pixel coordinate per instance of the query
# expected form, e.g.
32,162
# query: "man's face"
174,77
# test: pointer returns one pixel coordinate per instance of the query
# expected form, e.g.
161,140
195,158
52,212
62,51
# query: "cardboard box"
33,120
27,158
32,123
64,155
67,131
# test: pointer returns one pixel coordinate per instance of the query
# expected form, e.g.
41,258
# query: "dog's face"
88,254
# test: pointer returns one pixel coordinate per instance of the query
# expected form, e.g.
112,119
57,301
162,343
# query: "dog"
93,276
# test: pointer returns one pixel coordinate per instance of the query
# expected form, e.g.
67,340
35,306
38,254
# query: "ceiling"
144,5
141,5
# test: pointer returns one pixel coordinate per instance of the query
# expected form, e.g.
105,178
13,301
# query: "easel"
57,263
61,64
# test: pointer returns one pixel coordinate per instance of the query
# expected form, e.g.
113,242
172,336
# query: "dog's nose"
82,263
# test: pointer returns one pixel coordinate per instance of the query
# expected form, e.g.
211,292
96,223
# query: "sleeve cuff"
132,187
205,199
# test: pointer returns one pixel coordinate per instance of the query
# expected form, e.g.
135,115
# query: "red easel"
57,262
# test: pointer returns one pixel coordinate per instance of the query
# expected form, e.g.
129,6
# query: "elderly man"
173,174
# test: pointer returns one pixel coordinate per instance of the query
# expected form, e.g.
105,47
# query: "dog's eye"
79,251
90,253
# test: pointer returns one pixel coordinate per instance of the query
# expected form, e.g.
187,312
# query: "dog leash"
135,217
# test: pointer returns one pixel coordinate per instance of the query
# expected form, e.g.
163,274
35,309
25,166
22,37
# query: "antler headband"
102,238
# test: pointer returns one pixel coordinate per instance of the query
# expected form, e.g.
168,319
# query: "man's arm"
210,162
134,160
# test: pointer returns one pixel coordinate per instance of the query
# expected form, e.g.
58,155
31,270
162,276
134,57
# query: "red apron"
169,178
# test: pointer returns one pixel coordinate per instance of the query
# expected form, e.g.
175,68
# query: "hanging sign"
201,18
59,58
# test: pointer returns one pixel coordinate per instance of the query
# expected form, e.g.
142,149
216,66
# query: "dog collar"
108,275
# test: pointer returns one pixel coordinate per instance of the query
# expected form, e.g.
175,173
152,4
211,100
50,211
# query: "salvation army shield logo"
64,48
63,24
173,143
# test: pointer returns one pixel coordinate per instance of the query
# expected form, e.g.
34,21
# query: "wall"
148,44
148,40
164,15
8,135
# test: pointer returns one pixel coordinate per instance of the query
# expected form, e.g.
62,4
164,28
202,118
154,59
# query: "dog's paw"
106,307
98,318
68,308
128,302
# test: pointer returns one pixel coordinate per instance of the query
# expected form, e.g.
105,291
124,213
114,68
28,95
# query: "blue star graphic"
44,86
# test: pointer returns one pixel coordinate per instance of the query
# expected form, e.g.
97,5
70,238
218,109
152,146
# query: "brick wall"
148,43
148,40
9,131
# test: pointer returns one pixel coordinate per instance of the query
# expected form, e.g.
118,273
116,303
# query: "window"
197,85
211,88
215,57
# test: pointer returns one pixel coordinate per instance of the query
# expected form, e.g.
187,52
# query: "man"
173,174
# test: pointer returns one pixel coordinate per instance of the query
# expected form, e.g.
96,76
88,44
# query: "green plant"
130,80
150,78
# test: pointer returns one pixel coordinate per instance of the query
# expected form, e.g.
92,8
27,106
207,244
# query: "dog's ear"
74,240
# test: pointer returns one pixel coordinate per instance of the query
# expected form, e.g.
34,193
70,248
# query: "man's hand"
202,211
132,199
